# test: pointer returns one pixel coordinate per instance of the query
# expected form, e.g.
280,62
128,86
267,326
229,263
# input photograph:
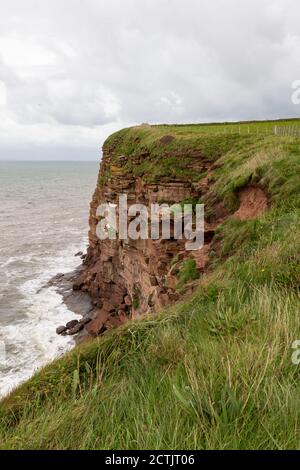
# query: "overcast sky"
73,71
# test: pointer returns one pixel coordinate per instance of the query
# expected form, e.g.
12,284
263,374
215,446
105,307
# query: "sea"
44,210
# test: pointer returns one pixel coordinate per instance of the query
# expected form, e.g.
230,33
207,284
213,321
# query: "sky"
72,71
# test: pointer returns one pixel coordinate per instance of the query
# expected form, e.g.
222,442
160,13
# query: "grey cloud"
73,71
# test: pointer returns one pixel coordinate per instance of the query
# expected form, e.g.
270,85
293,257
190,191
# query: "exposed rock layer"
128,279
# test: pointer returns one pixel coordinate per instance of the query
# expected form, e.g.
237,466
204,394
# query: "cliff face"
129,278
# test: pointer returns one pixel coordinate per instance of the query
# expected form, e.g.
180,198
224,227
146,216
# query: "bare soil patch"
253,203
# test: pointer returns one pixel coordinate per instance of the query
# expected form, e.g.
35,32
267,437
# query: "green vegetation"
187,272
168,151
136,303
212,372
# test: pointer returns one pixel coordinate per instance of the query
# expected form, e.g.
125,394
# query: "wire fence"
287,131
281,131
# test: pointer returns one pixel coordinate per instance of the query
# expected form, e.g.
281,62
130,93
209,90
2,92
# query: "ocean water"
44,209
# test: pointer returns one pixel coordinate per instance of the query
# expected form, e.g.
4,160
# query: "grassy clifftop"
214,371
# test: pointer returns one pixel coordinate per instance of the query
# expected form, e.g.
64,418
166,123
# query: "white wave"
33,342
15,259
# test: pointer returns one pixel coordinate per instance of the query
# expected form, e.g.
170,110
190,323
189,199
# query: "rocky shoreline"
78,302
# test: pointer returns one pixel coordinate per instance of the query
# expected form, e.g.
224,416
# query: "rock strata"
126,279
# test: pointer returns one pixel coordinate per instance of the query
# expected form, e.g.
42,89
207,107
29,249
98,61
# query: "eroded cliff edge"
152,165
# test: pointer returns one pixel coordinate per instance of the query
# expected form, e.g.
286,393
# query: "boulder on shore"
75,329
71,324
61,330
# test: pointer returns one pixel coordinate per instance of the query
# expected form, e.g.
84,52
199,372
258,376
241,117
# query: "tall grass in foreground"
215,373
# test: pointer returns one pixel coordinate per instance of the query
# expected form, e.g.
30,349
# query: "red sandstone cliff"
127,279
